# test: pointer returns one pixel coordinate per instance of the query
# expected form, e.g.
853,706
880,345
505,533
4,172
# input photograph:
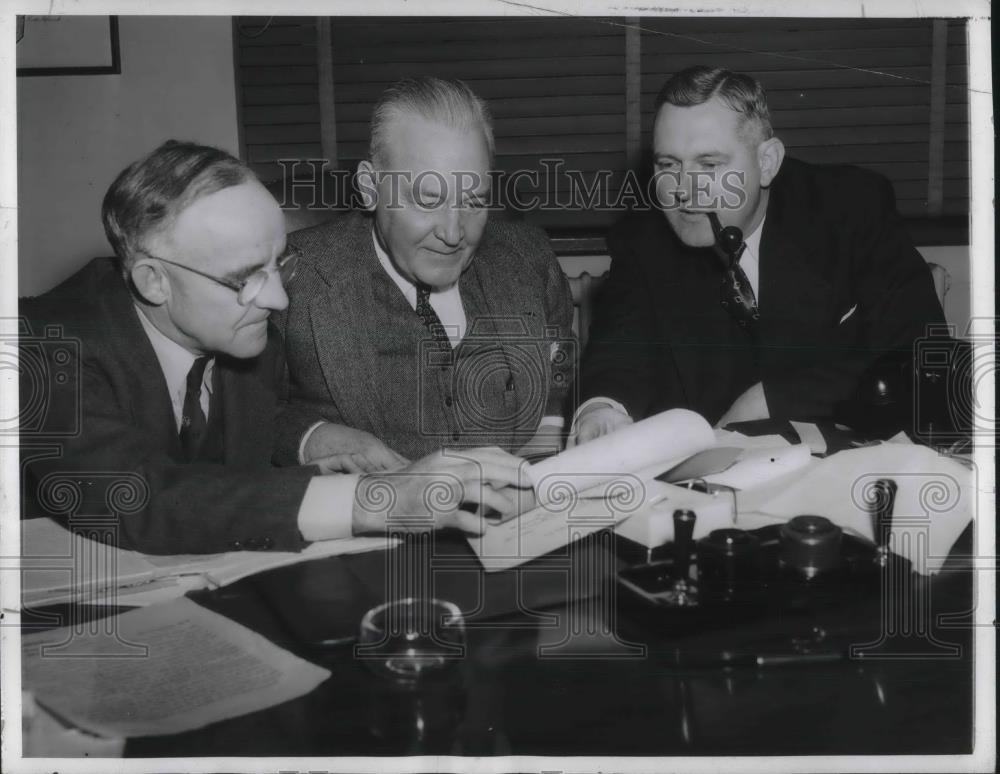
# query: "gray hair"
743,93
150,193
448,102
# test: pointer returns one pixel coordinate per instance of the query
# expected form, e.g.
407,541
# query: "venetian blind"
841,91
851,91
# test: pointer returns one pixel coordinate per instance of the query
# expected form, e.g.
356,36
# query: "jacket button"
447,400
236,545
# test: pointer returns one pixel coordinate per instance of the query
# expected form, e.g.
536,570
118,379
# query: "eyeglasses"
248,289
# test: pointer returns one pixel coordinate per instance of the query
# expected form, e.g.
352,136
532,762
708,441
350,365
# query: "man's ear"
366,178
770,154
150,282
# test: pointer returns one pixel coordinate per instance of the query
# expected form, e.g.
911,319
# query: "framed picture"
68,45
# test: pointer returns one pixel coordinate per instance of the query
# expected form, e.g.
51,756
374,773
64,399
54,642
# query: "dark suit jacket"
359,356
93,395
832,241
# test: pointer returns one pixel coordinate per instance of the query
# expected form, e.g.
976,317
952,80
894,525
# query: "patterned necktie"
736,294
194,425
429,317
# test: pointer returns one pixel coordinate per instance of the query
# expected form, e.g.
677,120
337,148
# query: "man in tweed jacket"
424,322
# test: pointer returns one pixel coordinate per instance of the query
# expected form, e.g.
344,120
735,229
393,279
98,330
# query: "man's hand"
751,405
596,420
338,448
427,494
546,440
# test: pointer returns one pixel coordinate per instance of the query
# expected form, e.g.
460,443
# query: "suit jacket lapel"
690,294
154,412
792,284
349,347
491,269
481,311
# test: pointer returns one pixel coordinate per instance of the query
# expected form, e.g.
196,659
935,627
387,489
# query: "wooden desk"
565,680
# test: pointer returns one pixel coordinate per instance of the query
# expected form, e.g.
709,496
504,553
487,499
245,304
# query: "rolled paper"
663,439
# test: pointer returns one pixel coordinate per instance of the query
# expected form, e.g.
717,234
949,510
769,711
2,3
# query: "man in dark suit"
425,322
170,426
825,282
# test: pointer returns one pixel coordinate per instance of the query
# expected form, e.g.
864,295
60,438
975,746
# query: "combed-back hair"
743,93
448,102
150,193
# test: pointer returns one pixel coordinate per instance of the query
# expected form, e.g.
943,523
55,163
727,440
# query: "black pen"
734,658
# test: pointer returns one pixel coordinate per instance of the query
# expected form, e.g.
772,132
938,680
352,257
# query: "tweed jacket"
358,354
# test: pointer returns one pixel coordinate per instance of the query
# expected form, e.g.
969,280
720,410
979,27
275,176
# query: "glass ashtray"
411,638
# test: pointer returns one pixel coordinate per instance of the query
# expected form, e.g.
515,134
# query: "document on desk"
592,487
607,481
160,670
59,565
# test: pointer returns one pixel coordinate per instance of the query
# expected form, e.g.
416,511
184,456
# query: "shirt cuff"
305,439
609,402
553,421
327,507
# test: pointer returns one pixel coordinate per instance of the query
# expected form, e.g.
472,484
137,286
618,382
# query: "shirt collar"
408,289
175,361
753,240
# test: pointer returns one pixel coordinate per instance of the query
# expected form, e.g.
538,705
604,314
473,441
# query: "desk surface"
564,678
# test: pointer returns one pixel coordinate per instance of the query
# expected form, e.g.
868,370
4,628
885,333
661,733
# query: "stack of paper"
160,670
60,566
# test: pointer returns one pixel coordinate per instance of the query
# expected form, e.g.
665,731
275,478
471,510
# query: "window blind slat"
841,90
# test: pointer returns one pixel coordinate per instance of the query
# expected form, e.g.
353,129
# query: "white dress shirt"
749,262
447,304
326,509
175,362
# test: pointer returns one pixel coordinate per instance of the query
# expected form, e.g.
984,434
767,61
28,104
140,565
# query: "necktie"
737,296
194,424
429,317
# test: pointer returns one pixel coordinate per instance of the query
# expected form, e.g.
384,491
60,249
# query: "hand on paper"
596,420
338,448
430,493
751,405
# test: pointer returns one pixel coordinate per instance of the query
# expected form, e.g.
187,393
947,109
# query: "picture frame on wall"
68,45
